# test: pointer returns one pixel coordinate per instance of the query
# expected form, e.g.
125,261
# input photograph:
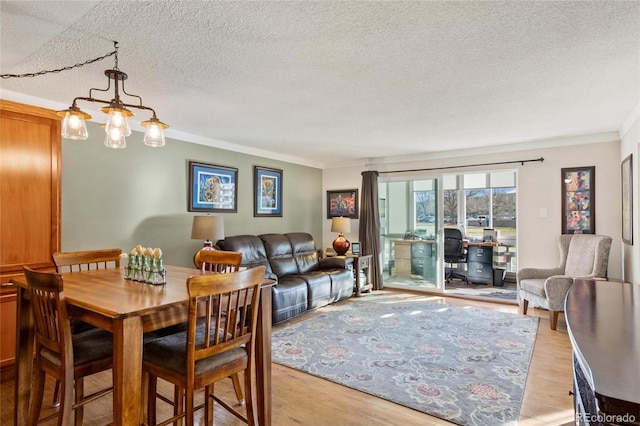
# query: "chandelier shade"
73,124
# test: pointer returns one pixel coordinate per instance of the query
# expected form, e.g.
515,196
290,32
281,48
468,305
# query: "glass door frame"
412,240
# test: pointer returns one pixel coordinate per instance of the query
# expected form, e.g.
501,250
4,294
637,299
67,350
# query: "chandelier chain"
78,65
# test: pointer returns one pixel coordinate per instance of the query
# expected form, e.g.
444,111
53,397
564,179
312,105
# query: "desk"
603,322
128,309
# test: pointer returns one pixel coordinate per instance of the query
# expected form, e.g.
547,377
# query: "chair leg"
525,305
79,391
36,396
178,403
238,388
188,406
151,399
56,395
252,415
208,405
553,318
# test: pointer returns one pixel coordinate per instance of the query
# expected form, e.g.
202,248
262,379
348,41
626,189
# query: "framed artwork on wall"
267,192
343,203
212,188
627,199
578,200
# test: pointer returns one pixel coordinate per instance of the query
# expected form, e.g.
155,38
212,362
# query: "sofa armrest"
335,262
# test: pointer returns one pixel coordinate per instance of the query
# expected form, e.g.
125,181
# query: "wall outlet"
543,212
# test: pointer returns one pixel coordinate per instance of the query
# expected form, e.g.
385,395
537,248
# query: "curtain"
369,232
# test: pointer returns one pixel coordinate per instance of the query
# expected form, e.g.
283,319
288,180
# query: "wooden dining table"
104,298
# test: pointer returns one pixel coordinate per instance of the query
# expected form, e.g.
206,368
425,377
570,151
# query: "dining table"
128,309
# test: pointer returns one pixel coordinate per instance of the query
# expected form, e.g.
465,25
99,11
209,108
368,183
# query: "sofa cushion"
342,283
304,251
318,288
251,247
289,299
534,285
279,253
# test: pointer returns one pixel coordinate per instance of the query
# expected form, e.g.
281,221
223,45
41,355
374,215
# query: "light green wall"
120,198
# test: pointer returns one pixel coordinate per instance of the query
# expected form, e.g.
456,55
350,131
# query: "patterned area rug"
468,366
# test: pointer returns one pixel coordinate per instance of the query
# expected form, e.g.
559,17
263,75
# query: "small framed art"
355,249
212,188
578,200
343,203
267,192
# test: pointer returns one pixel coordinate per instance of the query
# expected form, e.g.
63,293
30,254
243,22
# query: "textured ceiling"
321,81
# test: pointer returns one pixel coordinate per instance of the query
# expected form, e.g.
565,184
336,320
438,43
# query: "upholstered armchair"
581,256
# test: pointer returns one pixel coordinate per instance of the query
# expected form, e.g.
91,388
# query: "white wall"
539,187
630,144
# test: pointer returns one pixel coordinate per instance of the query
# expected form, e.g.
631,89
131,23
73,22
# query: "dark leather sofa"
304,280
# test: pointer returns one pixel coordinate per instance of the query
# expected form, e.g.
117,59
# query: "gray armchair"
581,256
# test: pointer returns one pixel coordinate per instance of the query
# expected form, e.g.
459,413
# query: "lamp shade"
341,225
207,228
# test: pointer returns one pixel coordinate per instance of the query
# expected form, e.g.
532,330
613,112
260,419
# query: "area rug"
465,365
508,292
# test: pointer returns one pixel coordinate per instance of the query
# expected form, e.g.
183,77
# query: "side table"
361,263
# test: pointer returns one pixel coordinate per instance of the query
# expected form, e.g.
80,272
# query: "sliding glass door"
410,228
414,211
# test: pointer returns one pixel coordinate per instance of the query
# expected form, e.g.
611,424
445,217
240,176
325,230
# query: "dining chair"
66,357
85,260
218,260
219,342
221,261
74,261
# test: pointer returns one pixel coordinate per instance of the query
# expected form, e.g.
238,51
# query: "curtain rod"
541,159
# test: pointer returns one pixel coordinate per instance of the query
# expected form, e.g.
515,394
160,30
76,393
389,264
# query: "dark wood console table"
603,321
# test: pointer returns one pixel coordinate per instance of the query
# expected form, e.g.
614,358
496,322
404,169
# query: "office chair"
454,252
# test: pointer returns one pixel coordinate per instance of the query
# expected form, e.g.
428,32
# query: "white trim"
170,133
633,116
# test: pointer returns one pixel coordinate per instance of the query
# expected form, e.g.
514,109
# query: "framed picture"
212,188
627,199
578,200
267,192
355,249
342,203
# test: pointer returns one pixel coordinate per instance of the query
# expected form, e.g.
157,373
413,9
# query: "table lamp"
208,228
341,225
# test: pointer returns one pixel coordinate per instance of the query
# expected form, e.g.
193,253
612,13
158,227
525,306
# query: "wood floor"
301,399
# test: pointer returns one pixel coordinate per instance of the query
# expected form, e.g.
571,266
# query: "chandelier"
117,126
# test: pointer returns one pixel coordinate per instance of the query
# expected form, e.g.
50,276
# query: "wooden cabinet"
30,160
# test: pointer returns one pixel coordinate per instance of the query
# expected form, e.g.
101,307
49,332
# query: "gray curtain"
369,232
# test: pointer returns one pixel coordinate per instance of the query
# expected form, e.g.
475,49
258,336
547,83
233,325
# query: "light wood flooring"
301,399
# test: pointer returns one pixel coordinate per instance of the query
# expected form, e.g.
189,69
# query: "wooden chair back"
55,350
230,311
86,260
218,260
52,328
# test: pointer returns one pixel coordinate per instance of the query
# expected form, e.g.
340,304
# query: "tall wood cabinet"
30,161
